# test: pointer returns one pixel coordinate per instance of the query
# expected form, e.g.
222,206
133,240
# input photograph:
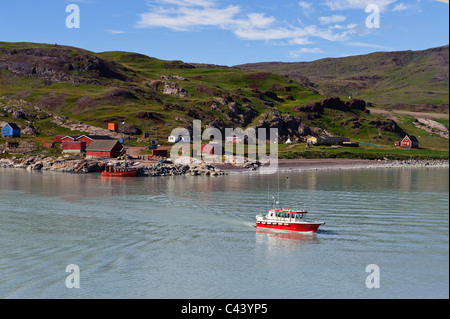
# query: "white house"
176,139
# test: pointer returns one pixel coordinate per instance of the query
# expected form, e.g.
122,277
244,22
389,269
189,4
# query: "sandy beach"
285,165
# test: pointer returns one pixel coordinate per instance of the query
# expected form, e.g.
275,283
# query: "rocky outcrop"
173,77
240,115
333,103
288,126
169,88
58,64
180,169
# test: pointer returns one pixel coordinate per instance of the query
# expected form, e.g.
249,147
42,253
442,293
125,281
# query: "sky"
229,32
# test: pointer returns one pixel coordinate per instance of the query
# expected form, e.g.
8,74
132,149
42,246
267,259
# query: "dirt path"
391,114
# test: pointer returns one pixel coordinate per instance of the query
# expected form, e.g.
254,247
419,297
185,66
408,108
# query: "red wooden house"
207,149
409,141
104,148
75,147
212,148
89,138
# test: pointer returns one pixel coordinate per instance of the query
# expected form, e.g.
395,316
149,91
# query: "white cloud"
299,52
115,31
368,45
299,41
305,5
186,18
332,19
356,4
187,15
401,7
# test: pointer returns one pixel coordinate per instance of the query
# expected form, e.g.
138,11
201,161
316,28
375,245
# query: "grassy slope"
384,78
140,69
63,98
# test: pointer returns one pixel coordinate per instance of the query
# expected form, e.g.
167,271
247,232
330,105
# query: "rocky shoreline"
76,165
339,164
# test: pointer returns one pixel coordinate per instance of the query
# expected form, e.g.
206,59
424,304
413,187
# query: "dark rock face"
333,103
58,65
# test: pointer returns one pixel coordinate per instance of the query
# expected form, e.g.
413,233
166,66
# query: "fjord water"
194,237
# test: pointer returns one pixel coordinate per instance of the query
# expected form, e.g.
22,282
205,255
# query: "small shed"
10,130
113,127
410,141
49,145
57,138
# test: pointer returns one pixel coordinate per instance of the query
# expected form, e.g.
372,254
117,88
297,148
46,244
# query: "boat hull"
299,227
130,173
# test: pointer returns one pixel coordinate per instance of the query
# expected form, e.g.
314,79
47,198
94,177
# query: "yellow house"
311,140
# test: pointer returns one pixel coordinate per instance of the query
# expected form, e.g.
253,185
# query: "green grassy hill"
405,79
97,88
49,89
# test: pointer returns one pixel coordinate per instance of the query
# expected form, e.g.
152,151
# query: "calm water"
194,237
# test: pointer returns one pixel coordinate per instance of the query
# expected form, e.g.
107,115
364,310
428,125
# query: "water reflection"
204,188
278,239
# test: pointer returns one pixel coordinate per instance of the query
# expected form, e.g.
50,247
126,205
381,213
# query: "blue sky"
230,32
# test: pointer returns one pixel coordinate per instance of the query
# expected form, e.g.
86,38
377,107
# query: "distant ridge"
387,78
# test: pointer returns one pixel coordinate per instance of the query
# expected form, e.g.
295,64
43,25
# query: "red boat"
286,219
119,172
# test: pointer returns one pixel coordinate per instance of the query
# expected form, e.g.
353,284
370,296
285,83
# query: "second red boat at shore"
121,172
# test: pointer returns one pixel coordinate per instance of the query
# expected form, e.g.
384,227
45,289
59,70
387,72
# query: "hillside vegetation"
53,89
404,79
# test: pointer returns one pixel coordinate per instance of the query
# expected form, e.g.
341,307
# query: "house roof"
97,137
102,145
412,138
12,125
70,136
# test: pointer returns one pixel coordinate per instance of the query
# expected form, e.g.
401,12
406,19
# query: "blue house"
10,130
